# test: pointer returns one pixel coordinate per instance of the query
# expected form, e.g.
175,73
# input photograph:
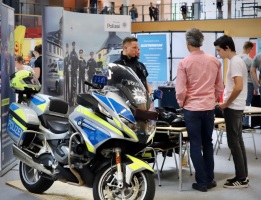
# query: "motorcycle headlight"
151,127
129,124
148,127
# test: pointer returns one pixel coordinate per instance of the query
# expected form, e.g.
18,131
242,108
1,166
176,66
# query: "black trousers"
233,120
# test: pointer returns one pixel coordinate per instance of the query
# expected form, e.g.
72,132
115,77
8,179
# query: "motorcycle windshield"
131,89
129,85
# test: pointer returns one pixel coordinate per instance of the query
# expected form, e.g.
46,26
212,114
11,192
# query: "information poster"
153,53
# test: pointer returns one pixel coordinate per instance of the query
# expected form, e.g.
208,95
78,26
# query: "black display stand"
169,97
256,121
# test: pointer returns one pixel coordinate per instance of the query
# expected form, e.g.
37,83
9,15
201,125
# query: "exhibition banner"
153,53
77,46
7,94
19,34
0,84
52,52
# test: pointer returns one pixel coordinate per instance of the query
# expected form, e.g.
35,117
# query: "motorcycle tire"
32,179
142,186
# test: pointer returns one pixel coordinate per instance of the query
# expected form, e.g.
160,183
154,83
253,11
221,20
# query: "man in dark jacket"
91,67
74,61
66,73
129,58
151,12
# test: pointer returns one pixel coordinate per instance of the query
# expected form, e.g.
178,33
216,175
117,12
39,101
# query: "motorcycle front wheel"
32,179
142,186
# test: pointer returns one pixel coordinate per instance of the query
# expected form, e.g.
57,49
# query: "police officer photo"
91,66
82,71
100,62
74,61
66,73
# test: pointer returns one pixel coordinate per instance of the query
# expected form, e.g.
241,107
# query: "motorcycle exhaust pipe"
23,157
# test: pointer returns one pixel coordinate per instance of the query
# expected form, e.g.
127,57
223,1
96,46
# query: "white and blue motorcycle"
94,146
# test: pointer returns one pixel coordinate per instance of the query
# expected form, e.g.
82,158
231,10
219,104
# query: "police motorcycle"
95,145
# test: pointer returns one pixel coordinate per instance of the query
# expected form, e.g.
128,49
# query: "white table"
252,111
180,131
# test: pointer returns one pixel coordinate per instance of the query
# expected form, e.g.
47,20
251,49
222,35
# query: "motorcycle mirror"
157,94
99,80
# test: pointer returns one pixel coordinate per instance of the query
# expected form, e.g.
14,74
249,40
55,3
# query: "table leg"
180,161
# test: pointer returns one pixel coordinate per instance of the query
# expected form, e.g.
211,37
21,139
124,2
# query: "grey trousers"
233,120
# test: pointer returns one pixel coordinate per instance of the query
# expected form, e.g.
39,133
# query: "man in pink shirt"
198,87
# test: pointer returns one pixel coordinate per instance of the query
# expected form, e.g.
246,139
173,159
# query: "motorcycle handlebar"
91,85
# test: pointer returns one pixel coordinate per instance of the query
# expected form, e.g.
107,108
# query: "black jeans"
200,126
233,120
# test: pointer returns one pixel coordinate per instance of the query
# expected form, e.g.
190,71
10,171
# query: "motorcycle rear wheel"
142,186
32,179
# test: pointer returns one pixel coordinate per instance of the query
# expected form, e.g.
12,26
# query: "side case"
20,119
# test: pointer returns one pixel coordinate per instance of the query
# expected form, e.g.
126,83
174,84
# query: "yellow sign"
19,34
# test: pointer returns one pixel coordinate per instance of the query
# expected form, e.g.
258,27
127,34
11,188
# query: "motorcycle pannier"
20,119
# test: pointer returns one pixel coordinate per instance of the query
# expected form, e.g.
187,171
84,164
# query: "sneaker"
211,185
231,180
234,179
236,184
195,186
247,179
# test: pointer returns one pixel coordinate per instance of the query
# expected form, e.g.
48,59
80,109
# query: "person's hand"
222,106
255,92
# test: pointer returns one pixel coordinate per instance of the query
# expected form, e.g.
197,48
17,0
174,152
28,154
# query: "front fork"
119,173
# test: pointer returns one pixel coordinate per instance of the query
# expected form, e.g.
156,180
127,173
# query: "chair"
220,131
165,144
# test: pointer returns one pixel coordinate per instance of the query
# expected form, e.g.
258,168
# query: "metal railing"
30,13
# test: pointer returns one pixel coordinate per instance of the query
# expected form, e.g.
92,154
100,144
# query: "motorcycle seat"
54,123
58,105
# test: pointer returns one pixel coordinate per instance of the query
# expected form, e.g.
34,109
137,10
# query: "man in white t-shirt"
235,95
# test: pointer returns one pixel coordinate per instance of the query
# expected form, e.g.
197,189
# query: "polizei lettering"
133,83
113,25
14,128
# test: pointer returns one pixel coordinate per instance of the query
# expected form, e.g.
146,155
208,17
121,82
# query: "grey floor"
169,190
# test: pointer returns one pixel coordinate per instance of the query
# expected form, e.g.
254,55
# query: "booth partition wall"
176,50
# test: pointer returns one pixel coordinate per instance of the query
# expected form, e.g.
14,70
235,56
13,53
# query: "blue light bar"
99,79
